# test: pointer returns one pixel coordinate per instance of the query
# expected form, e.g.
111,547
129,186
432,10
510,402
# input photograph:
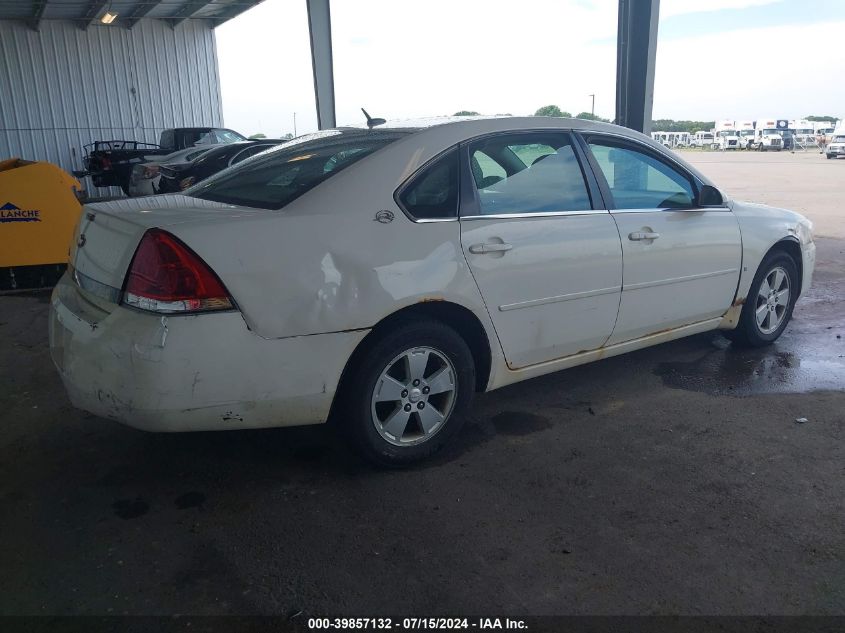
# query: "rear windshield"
277,177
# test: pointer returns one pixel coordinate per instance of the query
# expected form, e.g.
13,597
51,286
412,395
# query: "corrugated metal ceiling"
129,12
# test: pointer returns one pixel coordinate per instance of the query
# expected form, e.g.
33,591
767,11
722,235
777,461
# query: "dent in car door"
682,262
548,265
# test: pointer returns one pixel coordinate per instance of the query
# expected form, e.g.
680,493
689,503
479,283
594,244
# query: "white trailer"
745,131
726,135
766,135
803,130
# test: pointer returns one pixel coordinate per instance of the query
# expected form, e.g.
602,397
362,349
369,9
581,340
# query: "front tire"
771,299
408,393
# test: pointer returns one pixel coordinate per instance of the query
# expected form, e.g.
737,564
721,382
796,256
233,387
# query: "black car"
110,163
176,177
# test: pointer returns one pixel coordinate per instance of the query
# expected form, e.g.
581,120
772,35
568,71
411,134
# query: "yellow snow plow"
39,208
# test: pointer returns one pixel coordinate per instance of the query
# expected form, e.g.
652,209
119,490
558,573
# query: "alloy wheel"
772,300
414,396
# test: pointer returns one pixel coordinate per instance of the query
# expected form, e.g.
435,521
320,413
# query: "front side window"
535,172
639,180
283,173
433,193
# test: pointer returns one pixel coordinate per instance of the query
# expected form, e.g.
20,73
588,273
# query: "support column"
320,30
636,48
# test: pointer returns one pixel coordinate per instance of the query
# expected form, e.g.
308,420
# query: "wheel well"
791,247
462,320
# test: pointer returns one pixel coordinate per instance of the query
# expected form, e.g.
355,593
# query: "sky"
716,59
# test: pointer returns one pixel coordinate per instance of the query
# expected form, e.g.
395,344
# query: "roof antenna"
371,122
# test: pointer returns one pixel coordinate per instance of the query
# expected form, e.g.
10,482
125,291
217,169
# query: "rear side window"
433,193
284,173
535,172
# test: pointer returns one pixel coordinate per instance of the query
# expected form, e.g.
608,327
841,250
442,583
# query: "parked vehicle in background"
836,147
176,177
144,179
803,131
680,139
767,136
824,132
726,135
703,139
745,131
664,138
386,275
110,163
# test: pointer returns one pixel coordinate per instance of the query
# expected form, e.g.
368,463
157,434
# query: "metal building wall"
62,87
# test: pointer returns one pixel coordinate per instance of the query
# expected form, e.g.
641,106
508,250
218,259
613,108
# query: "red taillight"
167,276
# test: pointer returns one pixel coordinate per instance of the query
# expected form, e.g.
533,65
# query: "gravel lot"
673,480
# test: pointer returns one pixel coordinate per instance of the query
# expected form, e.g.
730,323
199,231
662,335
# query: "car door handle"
490,247
637,236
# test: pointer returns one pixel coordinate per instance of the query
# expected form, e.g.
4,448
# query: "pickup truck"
109,163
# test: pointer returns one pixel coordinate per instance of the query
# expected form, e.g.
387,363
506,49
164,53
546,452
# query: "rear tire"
769,304
407,393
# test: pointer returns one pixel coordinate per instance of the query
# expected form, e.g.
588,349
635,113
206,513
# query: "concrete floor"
806,182
673,480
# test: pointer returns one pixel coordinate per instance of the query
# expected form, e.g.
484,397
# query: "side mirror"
709,196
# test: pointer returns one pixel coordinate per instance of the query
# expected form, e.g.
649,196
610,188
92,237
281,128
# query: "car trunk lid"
108,234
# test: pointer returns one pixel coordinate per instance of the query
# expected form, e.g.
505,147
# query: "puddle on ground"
792,365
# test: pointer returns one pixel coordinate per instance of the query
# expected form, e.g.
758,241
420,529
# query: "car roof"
494,123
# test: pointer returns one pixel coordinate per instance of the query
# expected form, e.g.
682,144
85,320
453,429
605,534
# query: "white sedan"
383,276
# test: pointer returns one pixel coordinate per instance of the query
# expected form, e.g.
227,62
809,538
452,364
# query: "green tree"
552,110
259,135
826,118
670,125
589,116
465,113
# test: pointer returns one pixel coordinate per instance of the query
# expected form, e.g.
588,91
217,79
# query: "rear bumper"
190,373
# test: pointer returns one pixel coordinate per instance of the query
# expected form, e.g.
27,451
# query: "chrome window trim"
667,209
430,220
534,214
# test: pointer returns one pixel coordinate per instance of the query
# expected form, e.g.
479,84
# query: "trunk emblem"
81,241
